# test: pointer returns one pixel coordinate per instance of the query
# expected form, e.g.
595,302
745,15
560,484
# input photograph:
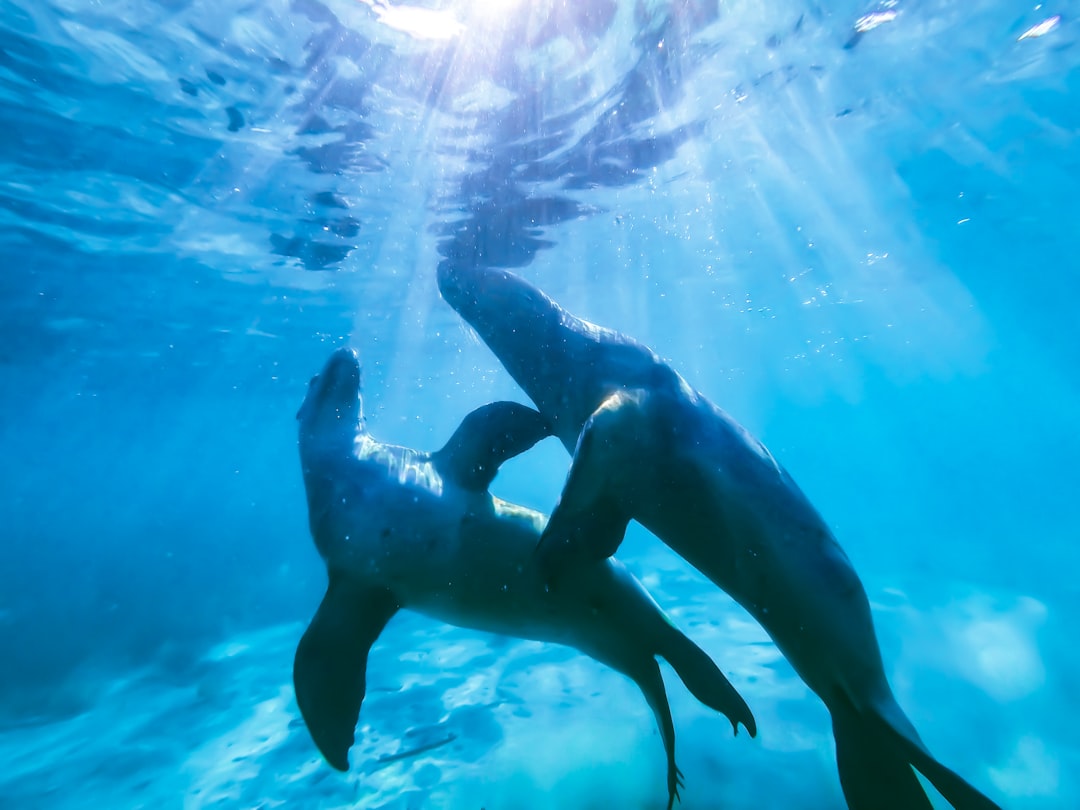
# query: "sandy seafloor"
481,721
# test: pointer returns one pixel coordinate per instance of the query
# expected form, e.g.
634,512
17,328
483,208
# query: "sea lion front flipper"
485,439
589,522
329,671
591,532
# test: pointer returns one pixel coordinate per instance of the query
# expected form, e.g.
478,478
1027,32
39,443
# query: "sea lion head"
333,408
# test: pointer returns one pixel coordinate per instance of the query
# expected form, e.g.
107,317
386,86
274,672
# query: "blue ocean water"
852,225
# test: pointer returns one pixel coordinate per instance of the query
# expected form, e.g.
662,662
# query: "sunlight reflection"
436,24
416,21
403,463
871,21
1043,28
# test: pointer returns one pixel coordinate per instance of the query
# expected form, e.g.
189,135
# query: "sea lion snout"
334,393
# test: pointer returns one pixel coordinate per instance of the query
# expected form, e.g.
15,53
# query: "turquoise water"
861,244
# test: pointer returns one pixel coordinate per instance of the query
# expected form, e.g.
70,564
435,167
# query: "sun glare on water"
416,21
427,23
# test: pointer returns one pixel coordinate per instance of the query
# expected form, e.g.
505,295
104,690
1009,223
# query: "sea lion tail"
705,680
875,752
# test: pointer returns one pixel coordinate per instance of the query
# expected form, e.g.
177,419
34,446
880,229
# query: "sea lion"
400,528
646,446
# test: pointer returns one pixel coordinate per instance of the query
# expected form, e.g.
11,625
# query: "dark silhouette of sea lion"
400,528
648,447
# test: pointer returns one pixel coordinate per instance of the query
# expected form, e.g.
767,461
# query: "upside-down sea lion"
649,447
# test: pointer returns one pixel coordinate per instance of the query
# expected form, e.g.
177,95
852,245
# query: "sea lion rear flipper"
876,748
704,678
642,669
329,671
485,439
